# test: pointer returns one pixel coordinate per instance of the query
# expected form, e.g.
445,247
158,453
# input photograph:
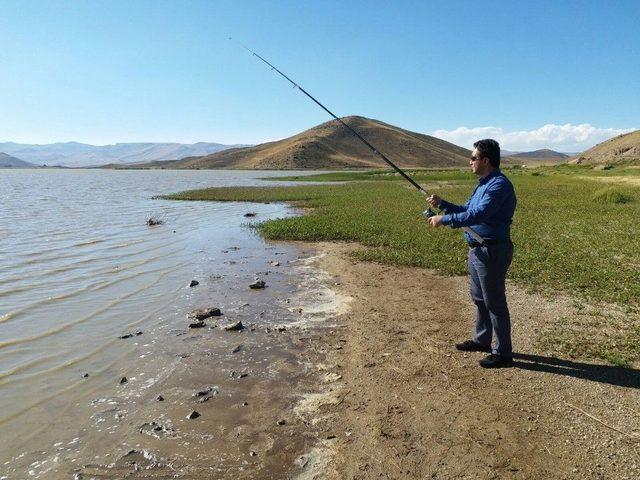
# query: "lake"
80,268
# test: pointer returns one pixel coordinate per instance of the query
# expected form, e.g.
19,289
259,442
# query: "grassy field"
572,234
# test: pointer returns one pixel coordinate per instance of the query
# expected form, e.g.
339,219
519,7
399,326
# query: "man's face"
479,165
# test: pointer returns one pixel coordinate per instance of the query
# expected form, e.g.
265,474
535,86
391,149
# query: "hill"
74,154
542,153
330,145
621,149
7,161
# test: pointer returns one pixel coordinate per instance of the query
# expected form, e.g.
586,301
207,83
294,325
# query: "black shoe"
494,360
471,346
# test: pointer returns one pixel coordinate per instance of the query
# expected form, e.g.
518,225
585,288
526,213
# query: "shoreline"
364,383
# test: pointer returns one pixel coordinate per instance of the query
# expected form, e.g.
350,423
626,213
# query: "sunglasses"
475,159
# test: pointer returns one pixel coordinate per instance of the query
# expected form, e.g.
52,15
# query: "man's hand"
436,221
434,201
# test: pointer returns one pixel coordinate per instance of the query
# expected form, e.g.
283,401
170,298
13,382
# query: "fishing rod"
427,213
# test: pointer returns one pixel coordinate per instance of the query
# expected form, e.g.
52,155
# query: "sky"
563,75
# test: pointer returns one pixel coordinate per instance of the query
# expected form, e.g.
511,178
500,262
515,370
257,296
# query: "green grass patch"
384,175
611,195
564,240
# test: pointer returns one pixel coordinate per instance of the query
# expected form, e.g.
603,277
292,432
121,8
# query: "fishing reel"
428,213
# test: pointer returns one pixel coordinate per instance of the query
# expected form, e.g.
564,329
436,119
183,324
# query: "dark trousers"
488,267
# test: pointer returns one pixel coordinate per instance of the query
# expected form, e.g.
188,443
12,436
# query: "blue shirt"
489,211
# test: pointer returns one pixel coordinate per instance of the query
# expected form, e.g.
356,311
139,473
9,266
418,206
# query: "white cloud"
563,138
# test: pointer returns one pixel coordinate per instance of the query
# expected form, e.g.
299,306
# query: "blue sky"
122,71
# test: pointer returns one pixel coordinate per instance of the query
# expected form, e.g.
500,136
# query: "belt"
487,241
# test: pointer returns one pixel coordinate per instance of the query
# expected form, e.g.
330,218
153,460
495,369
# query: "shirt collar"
494,173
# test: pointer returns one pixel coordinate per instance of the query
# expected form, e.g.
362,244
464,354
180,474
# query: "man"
489,213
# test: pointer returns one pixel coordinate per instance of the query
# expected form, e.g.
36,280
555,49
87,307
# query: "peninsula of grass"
571,235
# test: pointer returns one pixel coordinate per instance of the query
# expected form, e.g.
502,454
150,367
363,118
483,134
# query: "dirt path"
401,402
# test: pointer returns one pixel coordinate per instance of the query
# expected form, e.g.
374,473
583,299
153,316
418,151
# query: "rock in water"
194,283
198,324
129,335
193,415
123,380
258,284
160,398
234,327
204,313
250,214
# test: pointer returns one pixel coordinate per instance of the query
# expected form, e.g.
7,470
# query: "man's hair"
489,148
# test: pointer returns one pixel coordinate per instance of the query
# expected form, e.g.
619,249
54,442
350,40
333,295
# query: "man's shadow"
620,376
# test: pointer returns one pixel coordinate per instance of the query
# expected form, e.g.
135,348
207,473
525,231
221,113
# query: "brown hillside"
621,149
331,145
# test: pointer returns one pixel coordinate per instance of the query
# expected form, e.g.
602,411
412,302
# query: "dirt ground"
401,402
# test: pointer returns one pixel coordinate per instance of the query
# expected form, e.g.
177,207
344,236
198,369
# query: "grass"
567,238
611,195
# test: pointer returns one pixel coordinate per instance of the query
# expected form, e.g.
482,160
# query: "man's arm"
452,207
437,202
491,201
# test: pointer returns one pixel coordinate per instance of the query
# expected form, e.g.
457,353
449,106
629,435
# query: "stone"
193,415
252,453
275,264
204,313
198,324
250,214
123,380
129,335
258,285
234,327
86,375
193,283
282,421
203,392
237,349
160,398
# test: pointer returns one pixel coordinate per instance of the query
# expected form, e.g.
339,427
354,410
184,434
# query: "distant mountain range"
74,154
7,161
542,153
331,145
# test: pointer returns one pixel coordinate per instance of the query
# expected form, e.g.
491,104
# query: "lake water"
80,267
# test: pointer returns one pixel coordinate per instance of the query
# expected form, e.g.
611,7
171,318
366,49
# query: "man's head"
485,157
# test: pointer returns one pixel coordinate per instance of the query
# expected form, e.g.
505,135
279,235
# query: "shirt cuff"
446,220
